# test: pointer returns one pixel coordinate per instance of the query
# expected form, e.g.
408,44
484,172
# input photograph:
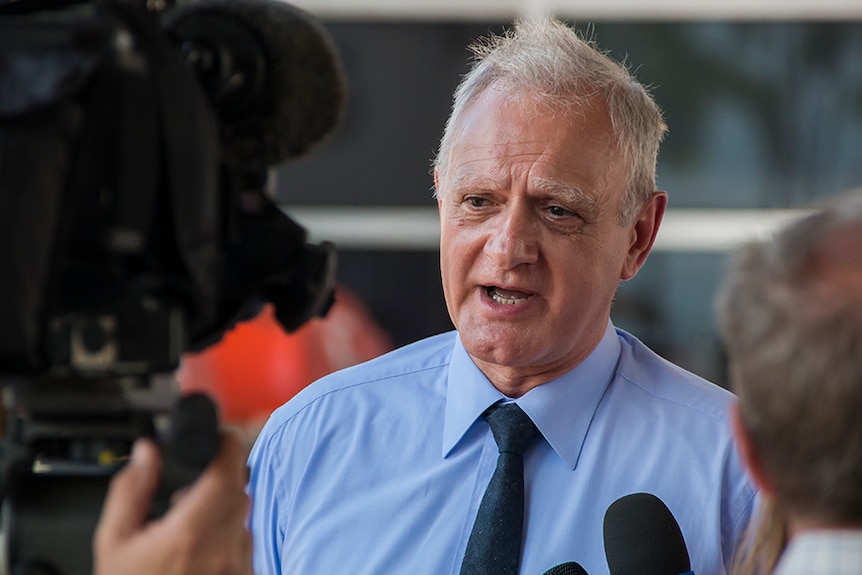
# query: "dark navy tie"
494,547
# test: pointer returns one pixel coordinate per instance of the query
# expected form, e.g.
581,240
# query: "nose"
514,237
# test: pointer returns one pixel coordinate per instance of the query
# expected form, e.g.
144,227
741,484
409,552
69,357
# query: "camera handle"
192,443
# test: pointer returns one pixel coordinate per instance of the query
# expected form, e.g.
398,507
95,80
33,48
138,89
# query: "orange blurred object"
257,366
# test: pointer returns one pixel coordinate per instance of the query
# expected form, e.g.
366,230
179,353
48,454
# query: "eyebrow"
572,195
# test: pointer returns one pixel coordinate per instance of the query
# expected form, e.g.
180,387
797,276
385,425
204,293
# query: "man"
203,533
791,316
545,182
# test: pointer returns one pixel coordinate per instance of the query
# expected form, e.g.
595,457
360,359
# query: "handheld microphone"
642,537
567,568
270,70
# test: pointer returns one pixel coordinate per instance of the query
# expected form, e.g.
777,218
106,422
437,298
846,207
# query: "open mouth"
506,297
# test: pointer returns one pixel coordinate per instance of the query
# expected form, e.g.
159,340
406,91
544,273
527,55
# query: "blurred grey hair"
790,316
546,61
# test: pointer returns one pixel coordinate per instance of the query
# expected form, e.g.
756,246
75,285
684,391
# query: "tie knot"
512,428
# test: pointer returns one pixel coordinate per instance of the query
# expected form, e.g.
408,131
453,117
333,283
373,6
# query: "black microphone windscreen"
568,568
271,70
642,538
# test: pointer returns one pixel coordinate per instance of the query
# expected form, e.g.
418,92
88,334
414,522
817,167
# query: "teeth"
506,300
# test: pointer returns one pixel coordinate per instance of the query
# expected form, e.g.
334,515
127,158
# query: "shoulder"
648,374
420,362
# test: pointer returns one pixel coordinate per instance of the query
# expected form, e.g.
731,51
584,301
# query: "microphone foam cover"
642,537
568,568
305,88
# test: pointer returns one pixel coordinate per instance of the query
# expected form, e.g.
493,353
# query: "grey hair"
790,315
546,61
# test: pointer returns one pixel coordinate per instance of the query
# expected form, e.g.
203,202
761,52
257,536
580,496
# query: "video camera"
136,224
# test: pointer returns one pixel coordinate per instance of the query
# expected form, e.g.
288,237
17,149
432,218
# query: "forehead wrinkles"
498,171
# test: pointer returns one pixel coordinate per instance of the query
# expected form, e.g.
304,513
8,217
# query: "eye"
476,201
560,212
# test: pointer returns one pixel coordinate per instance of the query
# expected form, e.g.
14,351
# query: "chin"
497,350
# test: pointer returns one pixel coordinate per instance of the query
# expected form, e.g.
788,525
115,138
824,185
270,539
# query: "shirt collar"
562,409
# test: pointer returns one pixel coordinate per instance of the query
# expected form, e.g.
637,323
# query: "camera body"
136,225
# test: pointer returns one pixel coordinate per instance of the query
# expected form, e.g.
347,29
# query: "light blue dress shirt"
380,468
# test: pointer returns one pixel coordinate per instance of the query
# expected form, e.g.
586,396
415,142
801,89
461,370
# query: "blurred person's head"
790,314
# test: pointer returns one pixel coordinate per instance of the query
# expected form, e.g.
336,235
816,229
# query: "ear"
643,234
749,454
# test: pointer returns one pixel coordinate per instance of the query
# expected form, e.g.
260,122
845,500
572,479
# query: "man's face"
531,248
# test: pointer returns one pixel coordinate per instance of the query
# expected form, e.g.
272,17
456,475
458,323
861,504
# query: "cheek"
583,276
449,265
445,271
458,245
454,266
452,280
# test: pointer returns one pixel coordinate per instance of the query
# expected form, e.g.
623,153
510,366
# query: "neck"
514,382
